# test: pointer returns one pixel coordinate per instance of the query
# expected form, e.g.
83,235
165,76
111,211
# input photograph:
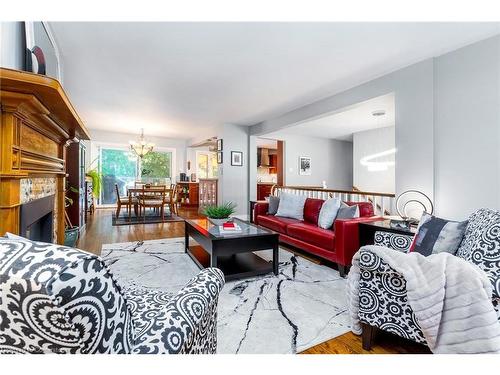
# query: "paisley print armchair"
383,302
56,299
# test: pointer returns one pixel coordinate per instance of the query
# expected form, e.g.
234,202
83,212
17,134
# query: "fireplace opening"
37,219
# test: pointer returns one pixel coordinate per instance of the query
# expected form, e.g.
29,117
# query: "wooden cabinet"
207,192
37,124
263,191
188,193
75,167
273,163
89,197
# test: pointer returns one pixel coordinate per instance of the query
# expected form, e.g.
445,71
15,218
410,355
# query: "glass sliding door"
121,167
117,167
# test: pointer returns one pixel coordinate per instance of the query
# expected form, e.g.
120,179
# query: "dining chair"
155,198
127,201
173,201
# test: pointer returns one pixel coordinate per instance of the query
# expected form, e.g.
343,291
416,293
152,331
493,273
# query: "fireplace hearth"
37,219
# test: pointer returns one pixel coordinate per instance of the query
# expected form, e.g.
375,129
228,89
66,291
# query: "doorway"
269,165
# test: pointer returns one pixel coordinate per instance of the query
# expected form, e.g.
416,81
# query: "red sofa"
337,244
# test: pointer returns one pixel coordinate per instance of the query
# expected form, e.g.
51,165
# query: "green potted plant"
96,181
219,213
70,231
96,177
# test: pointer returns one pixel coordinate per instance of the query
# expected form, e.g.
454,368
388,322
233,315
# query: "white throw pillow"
292,206
328,213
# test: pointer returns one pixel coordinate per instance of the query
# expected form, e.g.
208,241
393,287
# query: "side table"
398,239
252,205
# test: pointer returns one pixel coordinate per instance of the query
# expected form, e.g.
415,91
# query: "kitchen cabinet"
189,193
273,164
263,190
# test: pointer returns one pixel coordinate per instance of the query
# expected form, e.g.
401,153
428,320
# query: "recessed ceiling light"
379,112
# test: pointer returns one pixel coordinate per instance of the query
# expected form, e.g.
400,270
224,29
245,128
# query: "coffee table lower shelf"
233,266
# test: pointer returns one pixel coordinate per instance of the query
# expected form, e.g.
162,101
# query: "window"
156,166
119,166
206,164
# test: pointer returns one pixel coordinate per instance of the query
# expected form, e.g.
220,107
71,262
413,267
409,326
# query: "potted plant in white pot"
219,214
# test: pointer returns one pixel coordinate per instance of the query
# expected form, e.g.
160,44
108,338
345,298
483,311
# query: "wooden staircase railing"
383,203
377,206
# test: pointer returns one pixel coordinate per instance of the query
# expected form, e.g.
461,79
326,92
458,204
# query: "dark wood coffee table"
233,252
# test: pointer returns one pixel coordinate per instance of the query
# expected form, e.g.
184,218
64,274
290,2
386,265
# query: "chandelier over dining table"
141,148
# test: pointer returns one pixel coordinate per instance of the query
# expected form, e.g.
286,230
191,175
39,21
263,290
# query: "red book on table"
228,225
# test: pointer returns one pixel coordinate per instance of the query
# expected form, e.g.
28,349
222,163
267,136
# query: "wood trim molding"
37,123
49,92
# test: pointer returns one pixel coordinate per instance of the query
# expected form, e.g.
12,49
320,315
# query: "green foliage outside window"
156,165
117,163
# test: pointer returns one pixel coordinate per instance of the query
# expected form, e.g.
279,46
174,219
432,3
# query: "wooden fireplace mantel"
38,122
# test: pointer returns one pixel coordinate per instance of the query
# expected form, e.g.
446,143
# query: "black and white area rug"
301,307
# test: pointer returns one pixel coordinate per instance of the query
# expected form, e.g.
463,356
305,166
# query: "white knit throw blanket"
451,299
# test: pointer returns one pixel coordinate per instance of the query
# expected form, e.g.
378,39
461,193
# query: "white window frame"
98,146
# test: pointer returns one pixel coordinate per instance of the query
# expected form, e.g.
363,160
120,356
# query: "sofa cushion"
273,204
312,234
276,223
292,206
436,235
481,243
328,213
365,208
312,207
348,212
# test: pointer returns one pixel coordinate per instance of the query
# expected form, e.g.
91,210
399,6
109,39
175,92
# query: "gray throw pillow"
436,235
328,213
348,212
292,206
273,205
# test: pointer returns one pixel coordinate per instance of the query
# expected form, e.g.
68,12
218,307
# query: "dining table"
134,191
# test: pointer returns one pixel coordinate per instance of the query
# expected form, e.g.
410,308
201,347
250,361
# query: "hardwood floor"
99,231
385,343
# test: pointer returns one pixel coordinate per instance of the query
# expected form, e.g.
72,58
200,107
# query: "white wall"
368,143
414,118
179,145
447,126
467,129
12,45
233,180
331,161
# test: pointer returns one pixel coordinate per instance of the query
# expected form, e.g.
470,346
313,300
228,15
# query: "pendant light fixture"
142,147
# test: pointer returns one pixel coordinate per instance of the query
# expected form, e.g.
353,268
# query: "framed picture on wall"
219,157
219,145
237,158
304,166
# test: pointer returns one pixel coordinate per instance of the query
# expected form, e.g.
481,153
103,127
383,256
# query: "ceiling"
341,125
266,143
180,79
